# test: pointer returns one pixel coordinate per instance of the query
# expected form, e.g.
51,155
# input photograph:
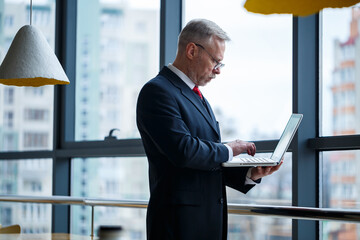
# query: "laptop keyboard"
254,160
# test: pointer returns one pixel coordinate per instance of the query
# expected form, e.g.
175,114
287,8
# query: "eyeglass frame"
218,65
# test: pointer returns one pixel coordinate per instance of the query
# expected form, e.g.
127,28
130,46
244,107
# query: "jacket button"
218,141
221,200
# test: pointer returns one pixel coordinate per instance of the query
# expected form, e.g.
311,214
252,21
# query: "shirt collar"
182,76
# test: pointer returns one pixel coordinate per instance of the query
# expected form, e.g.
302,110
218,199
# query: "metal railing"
304,213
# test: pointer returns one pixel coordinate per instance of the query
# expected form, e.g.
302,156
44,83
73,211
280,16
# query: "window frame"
305,148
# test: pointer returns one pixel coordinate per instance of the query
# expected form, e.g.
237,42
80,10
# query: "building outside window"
20,107
117,52
341,95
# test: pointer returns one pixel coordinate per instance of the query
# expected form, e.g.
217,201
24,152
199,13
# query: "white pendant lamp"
30,60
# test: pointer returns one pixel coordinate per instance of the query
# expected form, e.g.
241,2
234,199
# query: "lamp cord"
30,12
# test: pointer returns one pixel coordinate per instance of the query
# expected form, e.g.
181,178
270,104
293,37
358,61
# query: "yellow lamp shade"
295,7
30,61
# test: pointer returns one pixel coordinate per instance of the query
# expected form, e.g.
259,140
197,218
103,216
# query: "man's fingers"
239,146
251,150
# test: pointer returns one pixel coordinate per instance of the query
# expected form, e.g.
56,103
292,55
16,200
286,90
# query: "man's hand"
259,172
239,146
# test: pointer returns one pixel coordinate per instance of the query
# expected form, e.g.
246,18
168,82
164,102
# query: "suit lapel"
193,98
212,115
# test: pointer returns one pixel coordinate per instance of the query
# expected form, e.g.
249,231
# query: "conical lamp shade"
30,61
295,7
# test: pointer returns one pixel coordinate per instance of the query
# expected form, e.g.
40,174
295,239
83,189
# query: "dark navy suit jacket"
183,146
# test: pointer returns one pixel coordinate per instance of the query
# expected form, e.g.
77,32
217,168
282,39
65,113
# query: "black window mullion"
170,27
335,143
305,100
64,110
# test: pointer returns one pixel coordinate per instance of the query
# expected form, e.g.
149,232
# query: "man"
182,142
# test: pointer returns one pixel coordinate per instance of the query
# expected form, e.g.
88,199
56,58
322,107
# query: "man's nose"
217,71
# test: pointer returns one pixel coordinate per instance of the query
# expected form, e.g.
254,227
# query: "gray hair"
200,31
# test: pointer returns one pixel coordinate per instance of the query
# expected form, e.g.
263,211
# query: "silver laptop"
280,149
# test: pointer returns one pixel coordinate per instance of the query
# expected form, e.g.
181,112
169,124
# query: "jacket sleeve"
235,177
160,122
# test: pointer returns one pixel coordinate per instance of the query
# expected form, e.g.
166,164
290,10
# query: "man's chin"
208,81
205,82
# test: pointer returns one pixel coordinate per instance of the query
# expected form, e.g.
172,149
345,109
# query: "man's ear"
191,51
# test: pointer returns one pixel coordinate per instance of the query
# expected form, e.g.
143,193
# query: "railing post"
92,221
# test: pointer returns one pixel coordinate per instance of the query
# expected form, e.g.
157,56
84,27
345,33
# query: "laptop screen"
286,137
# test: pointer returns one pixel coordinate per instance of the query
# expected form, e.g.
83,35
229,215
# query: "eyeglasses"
218,64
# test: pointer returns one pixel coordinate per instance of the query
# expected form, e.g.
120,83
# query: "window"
9,142
16,178
339,189
249,227
9,95
41,15
110,178
340,91
20,107
122,48
117,51
8,21
36,115
32,186
36,140
274,190
339,57
8,119
255,82
254,88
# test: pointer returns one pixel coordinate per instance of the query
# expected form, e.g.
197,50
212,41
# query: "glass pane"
31,177
340,189
117,52
110,178
259,228
340,72
252,97
275,189
340,230
132,220
26,113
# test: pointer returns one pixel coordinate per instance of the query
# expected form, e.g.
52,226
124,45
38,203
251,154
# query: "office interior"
56,140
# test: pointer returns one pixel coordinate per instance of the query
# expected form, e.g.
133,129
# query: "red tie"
197,91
